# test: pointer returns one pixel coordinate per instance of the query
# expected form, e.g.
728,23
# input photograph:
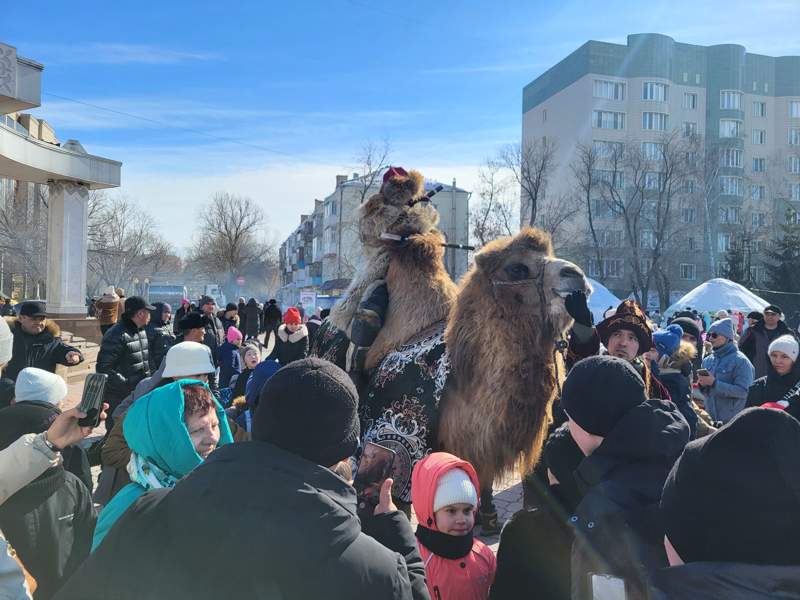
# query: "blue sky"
301,88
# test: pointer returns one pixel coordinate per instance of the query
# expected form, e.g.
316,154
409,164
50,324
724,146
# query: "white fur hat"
786,344
6,342
188,358
454,487
38,384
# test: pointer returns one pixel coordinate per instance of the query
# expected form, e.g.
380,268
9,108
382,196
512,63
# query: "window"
688,186
687,271
691,244
794,109
653,180
794,192
613,178
793,164
604,149
759,137
691,157
652,151
604,119
730,128
723,242
544,115
759,109
600,208
697,78
645,265
610,90
758,245
685,77
614,268
759,165
759,219
687,215
794,136
757,273
611,239
793,218
730,157
731,186
689,128
656,92
758,192
729,215
689,100
647,239
654,121
730,100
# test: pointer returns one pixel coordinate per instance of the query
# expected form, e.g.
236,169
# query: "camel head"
392,210
526,281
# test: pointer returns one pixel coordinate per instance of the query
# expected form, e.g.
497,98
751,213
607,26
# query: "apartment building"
741,109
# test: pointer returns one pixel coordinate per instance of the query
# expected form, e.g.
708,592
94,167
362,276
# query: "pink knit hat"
233,334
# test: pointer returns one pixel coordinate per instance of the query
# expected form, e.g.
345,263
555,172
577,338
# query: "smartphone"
607,587
92,399
373,469
703,372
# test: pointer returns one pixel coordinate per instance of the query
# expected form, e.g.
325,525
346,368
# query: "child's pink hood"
423,483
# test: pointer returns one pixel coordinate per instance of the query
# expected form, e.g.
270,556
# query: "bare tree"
372,160
231,238
123,241
531,165
493,217
584,168
23,233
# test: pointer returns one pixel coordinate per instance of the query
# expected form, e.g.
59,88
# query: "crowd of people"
671,467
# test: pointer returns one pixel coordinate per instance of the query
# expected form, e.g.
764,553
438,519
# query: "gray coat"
733,374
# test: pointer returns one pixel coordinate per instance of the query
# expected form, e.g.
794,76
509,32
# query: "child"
444,494
292,340
229,357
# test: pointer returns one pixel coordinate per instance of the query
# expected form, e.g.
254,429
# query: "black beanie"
599,390
734,496
309,408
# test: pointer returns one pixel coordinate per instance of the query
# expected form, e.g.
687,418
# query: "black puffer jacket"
272,316
253,318
617,526
215,334
159,337
294,534
774,387
50,523
43,351
732,581
125,358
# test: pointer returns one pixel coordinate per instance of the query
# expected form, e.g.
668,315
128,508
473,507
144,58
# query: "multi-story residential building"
331,248
734,116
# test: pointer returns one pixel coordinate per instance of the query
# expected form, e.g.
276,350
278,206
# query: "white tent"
600,300
719,294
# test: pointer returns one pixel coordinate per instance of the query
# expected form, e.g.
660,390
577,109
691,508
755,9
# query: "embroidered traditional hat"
631,317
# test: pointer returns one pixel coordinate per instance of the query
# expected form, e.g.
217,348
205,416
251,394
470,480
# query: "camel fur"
504,369
389,211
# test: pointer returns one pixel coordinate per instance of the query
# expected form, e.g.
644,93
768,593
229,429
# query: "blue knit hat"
723,327
667,340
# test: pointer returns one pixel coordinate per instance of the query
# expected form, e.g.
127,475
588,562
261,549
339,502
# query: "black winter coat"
179,314
124,356
288,530
159,337
755,342
618,530
272,317
215,335
731,581
50,523
43,351
253,318
290,346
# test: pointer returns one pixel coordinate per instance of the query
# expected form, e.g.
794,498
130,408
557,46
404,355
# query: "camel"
480,382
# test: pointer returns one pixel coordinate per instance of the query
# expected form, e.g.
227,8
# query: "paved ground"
507,492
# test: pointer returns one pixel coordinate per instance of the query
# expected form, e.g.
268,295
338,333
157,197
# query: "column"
67,246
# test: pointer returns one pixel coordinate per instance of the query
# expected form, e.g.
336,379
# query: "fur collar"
285,336
50,326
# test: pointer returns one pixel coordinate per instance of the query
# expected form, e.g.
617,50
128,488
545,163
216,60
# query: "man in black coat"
755,342
630,444
215,332
36,344
124,354
272,318
266,518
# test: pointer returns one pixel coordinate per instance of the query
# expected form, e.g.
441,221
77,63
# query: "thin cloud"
102,53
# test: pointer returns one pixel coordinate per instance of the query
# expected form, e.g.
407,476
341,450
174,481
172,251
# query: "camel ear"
488,261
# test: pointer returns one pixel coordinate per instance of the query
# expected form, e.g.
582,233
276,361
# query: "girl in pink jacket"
444,494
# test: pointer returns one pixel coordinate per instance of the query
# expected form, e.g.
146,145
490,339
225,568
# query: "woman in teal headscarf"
170,431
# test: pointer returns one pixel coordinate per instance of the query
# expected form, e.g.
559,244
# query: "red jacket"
467,578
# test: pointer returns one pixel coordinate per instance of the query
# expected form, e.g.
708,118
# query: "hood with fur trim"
680,360
292,338
50,326
424,478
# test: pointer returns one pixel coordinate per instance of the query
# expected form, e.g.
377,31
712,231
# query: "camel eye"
517,271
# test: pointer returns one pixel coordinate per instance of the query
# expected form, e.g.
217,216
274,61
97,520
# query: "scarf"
446,546
148,474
